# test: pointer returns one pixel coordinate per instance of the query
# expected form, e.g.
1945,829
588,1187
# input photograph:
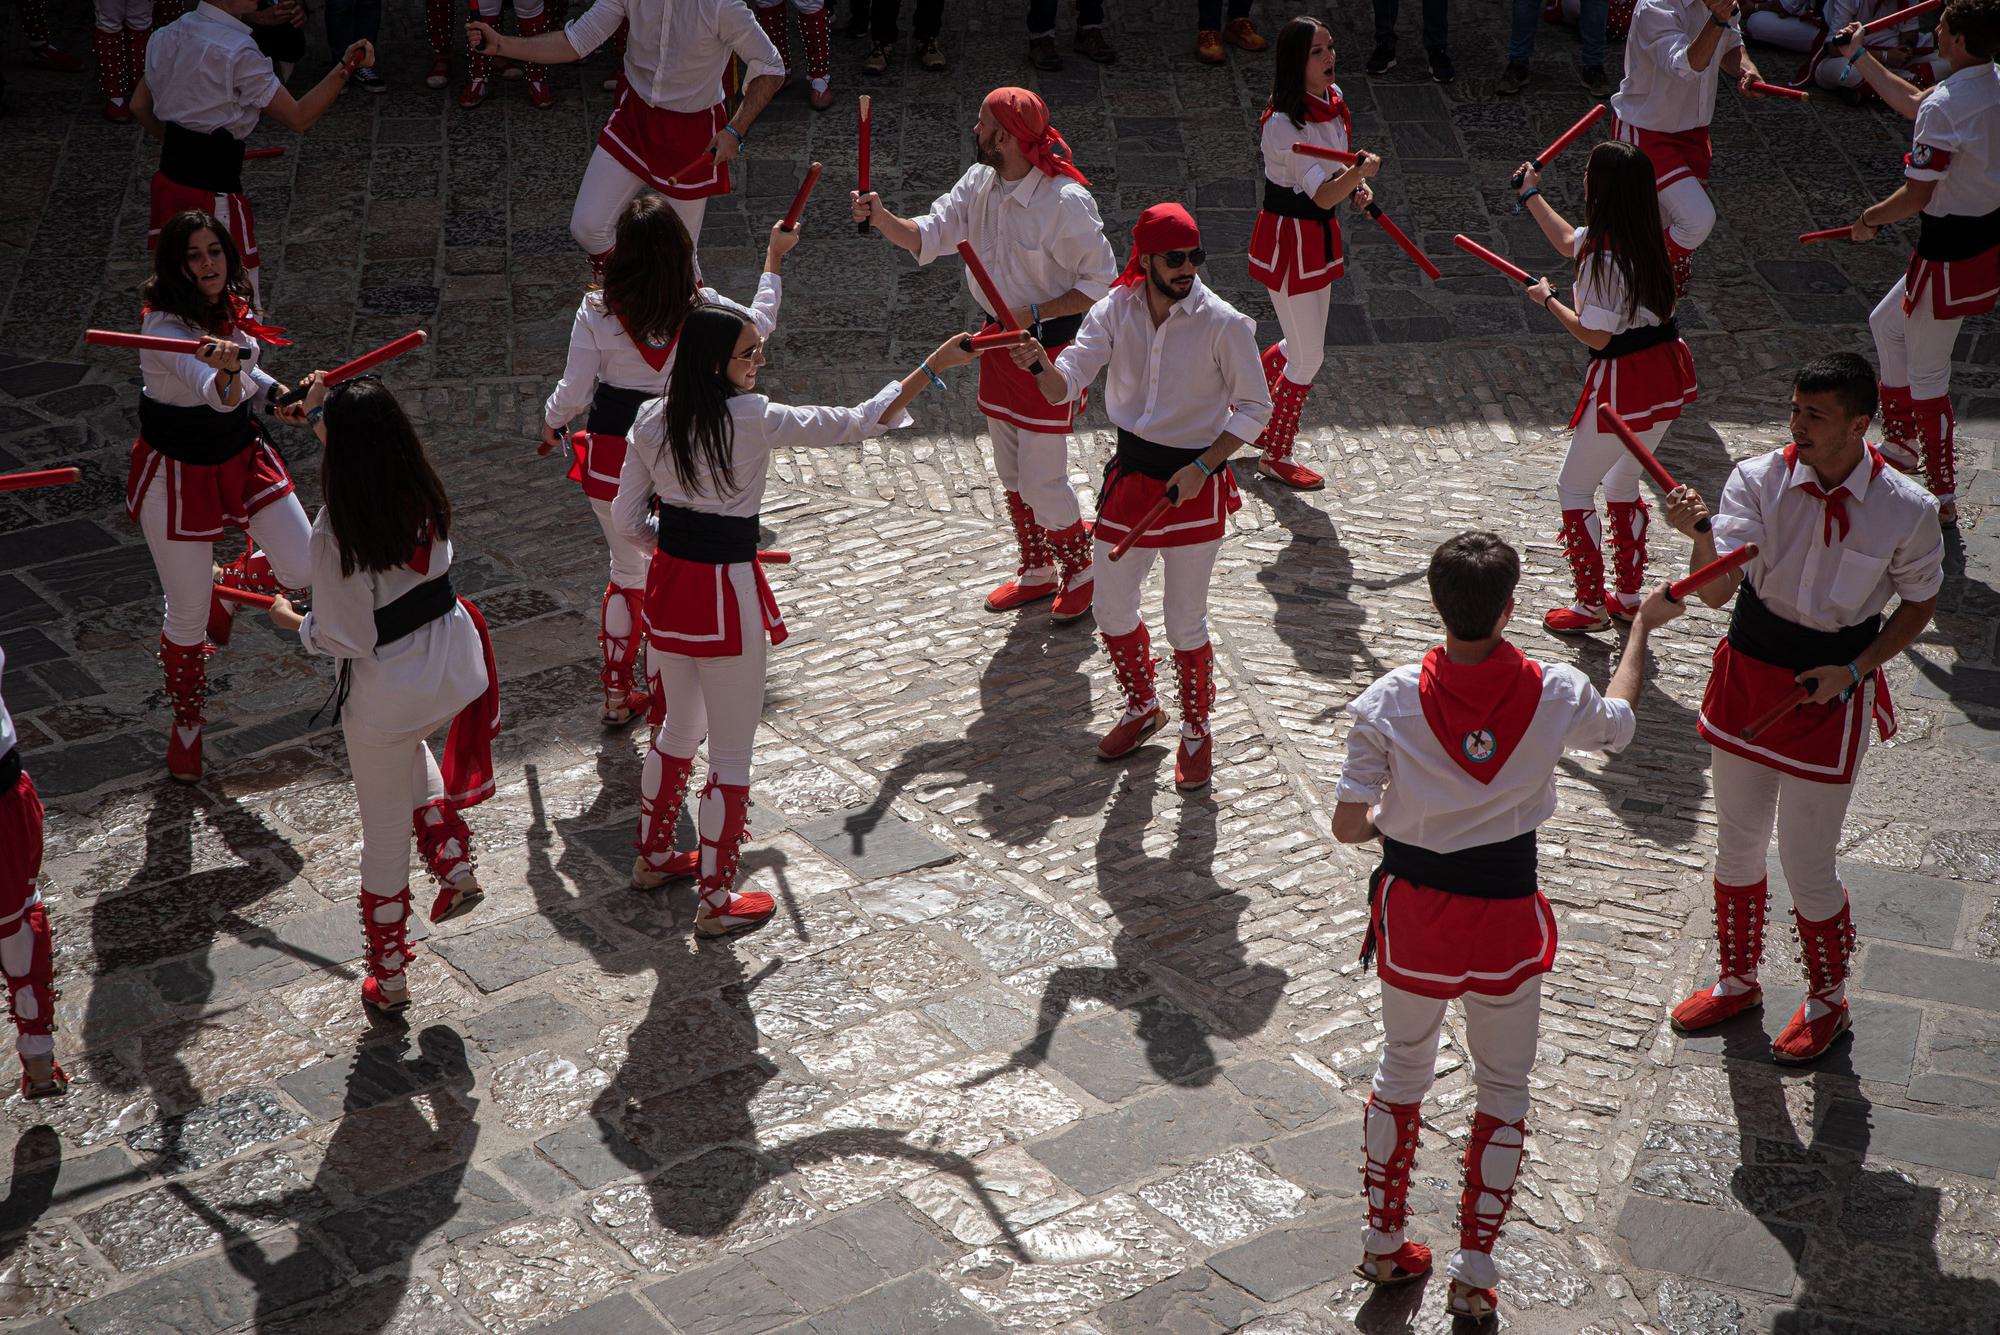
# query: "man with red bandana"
1452,765
1030,218
1798,686
1184,386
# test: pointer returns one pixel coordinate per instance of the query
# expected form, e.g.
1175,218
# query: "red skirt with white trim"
1956,288
203,500
1127,497
654,144
596,464
1444,945
1645,388
1008,393
1818,742
1674,156
1290,255
232,211
691,608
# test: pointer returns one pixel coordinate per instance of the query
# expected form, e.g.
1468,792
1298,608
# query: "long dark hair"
171,291
382,496
699,431
1288,67
649,275
1621,209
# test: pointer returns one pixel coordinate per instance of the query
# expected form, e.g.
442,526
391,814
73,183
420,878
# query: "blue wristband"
1528,195
741,142
1202,464
935,378
1855,673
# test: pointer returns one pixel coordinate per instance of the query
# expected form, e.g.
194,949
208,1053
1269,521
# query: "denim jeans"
1590,26
1209,12
348,21
1437,29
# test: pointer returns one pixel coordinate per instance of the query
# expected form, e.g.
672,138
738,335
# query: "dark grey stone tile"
853,1252
594,1153
615,1315
883,844
734,1298
1955,1091
1890,1133
527,947
1325,1160
394,1226
915,1305
1915,973
1726,1247
537,1177
1286,1096
1893,905
45,543
1170,1128
1195,1302
524,1022
250,1283
216,1131
1118,1055
1278,1265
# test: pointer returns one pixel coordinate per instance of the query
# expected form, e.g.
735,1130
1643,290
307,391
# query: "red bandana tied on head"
1160,228
1479,712
1026,117
1833,519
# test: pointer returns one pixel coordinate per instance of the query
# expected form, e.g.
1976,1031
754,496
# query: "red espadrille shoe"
1806,1040
1575,620
1411,1261
1133,665
1707,1008
1294,475
43,1078
1472,1304
722,911
1739,935
1827,945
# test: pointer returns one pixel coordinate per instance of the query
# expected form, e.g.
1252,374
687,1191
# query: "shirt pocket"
1855,579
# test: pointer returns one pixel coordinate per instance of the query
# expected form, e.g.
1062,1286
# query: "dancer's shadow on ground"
168,912
1862,1239
1035,702
686,1094
1311,582
1966,612
37,1166
1665,749
1161,932
384,1233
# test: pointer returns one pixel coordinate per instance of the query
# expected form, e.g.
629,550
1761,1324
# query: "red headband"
1160,228
1026,117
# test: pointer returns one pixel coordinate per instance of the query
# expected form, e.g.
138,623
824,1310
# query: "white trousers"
607,188
1687,212
719,698
1122,583
1500,1033
1915,349
629,562
1303,318
1599,457
394,774
1750,799
187,569
1793,34
115,14
1036,464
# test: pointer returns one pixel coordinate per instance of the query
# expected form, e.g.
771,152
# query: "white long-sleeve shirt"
676,50
1893,544
760,427
601,352
1038,237
1663,91
206,73
1180,384
1303,174
419,680
183,380
1956,142
1602,294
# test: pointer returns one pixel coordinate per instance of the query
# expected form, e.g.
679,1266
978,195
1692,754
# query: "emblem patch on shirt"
1922,157
1479,745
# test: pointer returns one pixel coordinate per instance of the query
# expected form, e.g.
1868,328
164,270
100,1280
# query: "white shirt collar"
1855,483
216,14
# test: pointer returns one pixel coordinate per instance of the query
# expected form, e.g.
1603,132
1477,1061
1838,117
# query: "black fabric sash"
1057,330
10,769
198,434
1636,340
1505,870
613,408
212,161
1285,202
711,539
1755,630
416,609
1137,455
1957,236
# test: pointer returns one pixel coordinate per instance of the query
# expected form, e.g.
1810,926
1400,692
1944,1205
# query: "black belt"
1636,340
1285,202
1758,632
10,769
613,408
197,434
1956,236
711,539
1138,455
1053,332
212,161
1503,870
432,599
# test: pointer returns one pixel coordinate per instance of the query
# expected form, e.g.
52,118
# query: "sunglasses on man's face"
1174,259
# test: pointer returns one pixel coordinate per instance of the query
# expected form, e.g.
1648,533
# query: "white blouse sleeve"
783,426
940,230
578,385
764,308
632,508
1090,351
194,375
1284,167
342,621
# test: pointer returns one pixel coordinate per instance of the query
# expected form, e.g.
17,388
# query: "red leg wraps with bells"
1937,428
1739,935
1133,665
1683,264
27,949
622,691
539,94
1492,1166
771,19
1194,673
185,667
109,48
1629,522
1276,440
662,788
385,921
1899,428
445,841
250,572
1586,565
1389,1133
1073,550
1827,946
1037,559
819,50
722,910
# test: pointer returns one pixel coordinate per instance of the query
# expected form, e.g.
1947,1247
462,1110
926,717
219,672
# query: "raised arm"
301,114
1896,92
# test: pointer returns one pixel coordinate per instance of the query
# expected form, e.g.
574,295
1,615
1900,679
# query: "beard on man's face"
1173,289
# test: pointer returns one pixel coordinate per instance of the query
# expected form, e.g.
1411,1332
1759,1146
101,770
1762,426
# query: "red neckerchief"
420,554
655,355
1479,712
242,318
1319,110
1833,514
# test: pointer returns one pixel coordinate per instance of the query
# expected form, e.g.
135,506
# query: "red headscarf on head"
1026,117
1162,227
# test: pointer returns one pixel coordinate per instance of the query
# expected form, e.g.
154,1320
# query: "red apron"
1818,742
1127,496
1645,388
1008,393
1443,945
205,499
597,463
691,608
1956,288
654,145
1674,156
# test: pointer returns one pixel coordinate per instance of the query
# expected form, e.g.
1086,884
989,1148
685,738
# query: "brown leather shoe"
1042,54
1208,46
1243,33
877,59
1091,45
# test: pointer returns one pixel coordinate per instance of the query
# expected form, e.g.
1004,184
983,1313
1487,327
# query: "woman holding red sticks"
202,464
1295,249
1639,368
621,351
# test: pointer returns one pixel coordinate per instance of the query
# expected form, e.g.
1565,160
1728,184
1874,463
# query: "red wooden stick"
1564,140
367,360
1305,150
861,160
791,223
1891,20
244,596
1778,711
1830,234
1374,211
1654,469
254,153
1773,90
999,338
1471,247
1164,504
1708,574
47,477
774,557
118,338
1001,310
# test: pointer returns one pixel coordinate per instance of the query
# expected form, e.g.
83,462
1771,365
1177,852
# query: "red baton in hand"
118,338
1778,711
1001,310
249,154
1471,247
244,596
774,557
365,361
791,222
1773,90
1138,530
1830,234
861,160
48,477
1630,439
1306,150
998,338
1708,574
1563,141
1374,211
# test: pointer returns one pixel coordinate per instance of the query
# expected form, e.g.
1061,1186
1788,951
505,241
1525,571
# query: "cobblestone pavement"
1033,1043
